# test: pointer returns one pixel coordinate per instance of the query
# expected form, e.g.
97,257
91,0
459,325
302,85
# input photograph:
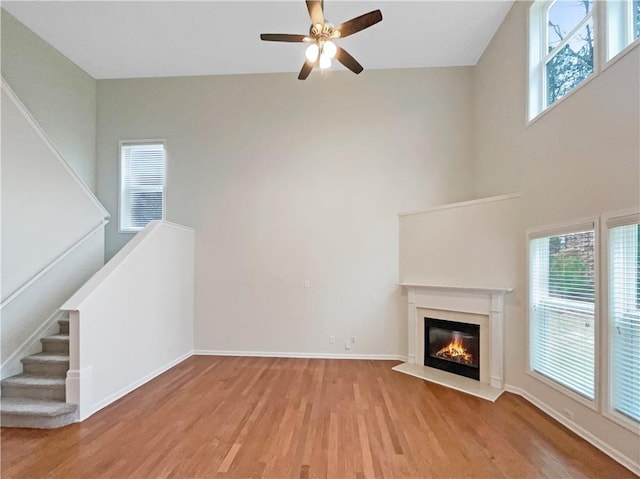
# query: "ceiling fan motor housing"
323,32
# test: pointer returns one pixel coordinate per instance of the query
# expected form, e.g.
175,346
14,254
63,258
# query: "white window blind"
142,180
561,309
624,319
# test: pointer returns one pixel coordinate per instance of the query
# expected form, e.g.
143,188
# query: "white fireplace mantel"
483,301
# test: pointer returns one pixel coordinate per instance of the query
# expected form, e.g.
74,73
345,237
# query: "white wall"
464,244
57,92
45,210
288,181
133,319
580,159
52,236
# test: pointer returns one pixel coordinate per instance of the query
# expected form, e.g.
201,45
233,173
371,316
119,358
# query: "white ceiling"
124,39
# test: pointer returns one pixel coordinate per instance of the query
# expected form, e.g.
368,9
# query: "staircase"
36,398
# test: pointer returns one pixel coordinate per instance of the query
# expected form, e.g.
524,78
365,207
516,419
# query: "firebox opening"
452,346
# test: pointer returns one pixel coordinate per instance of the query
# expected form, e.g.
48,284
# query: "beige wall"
60,96
287,181
580,159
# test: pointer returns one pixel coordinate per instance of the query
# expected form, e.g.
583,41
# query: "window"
561,307
624,316
623,25
142,180
561,44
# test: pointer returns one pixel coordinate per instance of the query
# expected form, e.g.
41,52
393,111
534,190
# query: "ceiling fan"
321,47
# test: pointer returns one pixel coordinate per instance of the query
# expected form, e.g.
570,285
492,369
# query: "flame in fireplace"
455,351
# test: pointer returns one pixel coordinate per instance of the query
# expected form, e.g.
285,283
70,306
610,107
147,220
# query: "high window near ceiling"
561,50
623,25
565,41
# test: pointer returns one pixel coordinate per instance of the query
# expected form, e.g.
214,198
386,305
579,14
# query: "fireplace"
452,346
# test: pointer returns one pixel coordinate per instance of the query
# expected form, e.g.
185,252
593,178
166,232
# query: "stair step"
57,343
34,387
46,364
64,326
33,413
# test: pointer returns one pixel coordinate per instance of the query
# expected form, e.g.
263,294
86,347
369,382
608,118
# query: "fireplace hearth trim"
482,301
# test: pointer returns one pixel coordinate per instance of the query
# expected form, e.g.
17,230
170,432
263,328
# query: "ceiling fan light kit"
322,49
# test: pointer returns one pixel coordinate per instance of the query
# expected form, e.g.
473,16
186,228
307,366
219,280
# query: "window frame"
619,218
583,224
537,38
619,30
121,143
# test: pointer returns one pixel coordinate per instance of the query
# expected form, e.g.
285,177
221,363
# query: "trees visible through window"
569,48
562,310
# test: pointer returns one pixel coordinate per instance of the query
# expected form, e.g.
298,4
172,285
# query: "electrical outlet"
347,345
332,339
568,413
307,283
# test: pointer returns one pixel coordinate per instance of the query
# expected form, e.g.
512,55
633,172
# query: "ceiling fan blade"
282,37
306,69
359,23
315,8
348,61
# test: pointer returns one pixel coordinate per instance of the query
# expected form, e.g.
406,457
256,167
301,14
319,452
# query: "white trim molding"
24,286
463,204
47,141
295,355
614,454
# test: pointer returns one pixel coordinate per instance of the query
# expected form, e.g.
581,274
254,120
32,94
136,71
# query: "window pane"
561,310
571,267
142,184
624,317
564,16
571,65
636,19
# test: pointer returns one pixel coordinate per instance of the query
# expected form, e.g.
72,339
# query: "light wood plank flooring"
303,418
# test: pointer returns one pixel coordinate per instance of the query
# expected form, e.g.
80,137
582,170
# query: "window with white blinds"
561,308
624,317
142,180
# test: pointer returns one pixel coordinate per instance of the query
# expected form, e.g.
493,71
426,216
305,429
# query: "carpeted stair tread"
56,337
47,357
34,407
30,380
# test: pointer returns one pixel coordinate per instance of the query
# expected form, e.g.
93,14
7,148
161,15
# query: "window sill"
560,101
621,54
590,403
622,421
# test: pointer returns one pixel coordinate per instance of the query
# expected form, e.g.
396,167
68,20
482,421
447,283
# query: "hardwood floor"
303,418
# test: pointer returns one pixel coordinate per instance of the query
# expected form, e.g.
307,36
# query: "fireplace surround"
482,306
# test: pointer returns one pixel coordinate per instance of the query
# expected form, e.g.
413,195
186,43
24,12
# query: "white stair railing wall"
133,319
52,233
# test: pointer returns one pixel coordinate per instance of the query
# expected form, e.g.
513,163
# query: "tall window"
561,49
561,308
142,181
623,25
624,316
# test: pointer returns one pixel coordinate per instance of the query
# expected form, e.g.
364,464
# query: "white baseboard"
31,345
136,384
579,430
271,354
